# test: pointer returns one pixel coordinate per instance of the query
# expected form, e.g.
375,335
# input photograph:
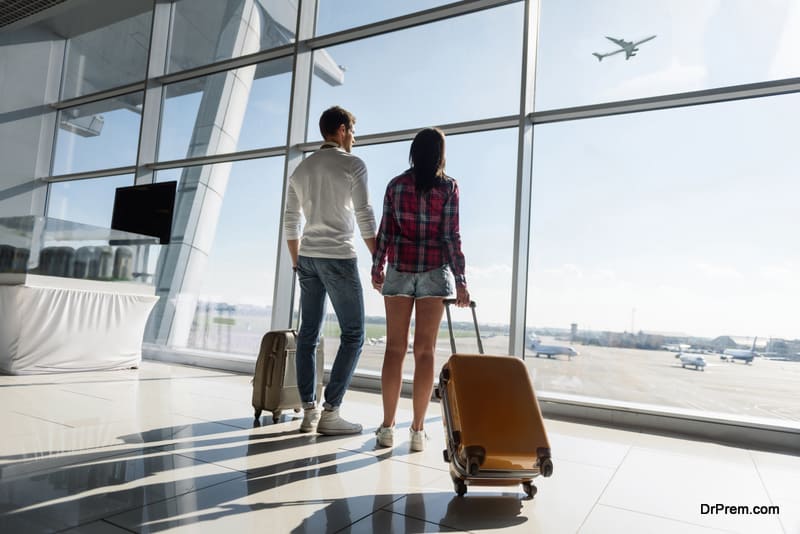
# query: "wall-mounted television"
145,209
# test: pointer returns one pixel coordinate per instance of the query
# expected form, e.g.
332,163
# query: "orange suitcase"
493,425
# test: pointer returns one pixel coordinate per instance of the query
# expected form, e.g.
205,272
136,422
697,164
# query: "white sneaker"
331,424
418,438
310,420
385,436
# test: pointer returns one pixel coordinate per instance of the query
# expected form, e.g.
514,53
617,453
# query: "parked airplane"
626,46
539,349
744,355
696,360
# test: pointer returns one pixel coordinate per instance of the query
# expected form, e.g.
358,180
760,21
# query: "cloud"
726,272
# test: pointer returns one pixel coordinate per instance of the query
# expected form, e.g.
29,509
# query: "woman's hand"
462,296
377,283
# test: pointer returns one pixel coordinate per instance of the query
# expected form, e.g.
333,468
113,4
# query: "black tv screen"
145,209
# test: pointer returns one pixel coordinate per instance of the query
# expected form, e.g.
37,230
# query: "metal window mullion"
100,173
692,98
302,68
219,158
98,96
480,125
227,64
522,208
152,102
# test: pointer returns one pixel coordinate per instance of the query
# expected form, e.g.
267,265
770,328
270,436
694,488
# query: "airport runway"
764,388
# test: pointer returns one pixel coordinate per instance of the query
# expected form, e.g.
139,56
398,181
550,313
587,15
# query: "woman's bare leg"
426,328
398,318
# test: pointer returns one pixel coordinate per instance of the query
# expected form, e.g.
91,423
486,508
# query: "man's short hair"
332,118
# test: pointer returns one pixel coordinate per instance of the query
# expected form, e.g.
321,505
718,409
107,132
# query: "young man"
329,188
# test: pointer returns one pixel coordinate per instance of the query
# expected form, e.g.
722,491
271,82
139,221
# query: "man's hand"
462,296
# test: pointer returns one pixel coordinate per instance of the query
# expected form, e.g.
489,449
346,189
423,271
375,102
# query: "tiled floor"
172,448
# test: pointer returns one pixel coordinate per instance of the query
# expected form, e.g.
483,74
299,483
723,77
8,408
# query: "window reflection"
227,112
206,31
107,45
216,278
98,135
86,201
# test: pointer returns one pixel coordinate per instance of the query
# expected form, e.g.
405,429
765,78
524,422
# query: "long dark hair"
426,158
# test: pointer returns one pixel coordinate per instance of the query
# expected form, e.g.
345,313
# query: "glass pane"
99,135
207,31
470,70
227,112
337,15
485,166
230,213
86,201
671,230
106,47
698,45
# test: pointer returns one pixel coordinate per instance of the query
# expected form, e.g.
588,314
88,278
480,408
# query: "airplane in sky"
745,355
628,47
539,349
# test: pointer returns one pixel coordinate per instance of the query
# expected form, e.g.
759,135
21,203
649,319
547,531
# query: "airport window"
698,45
229,215
338,15
658,241
207,31
226,112
106,47
485,166
98,135
86,201
460,69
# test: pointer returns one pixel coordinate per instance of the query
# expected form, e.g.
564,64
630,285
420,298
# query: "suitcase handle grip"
447,303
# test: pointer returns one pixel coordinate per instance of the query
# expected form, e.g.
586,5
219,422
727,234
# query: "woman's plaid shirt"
419,233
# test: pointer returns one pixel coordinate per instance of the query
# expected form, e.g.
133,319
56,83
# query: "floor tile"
675,486
781,476
97,487
560,505
605,519
383,521
311,494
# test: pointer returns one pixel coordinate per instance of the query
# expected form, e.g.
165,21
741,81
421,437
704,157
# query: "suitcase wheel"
276,416
546,467
446,456
529,489
460,487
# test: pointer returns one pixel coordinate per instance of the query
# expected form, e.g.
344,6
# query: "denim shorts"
433,283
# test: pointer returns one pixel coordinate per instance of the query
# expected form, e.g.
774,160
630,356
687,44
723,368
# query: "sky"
670,221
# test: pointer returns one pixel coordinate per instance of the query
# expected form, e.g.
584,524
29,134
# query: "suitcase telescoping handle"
447,303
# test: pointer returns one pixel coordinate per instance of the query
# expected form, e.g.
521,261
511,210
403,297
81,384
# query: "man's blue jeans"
339,280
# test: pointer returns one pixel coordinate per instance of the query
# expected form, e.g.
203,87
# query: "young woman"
419,234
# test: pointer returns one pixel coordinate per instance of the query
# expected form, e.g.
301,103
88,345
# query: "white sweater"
329,188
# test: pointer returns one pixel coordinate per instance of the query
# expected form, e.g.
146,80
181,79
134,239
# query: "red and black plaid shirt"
419,232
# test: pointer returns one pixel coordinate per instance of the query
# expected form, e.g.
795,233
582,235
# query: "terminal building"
628,178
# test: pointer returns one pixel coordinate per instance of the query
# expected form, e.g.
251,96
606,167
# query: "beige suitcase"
275,379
